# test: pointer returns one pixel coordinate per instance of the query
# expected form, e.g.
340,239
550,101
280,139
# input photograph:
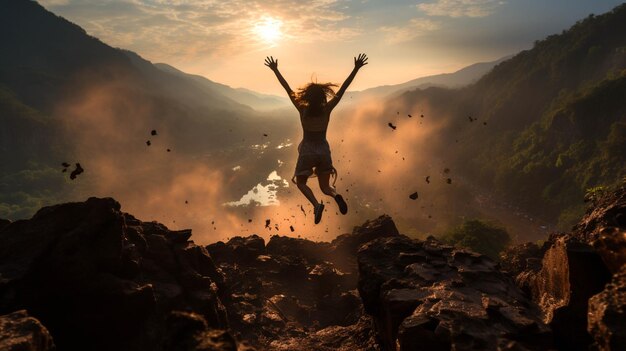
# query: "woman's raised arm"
359,62
273,65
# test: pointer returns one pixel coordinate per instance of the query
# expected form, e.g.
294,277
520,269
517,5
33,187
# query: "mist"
195,183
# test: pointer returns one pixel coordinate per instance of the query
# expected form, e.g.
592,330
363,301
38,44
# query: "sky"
227,41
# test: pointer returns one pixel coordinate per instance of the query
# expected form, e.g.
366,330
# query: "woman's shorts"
308,165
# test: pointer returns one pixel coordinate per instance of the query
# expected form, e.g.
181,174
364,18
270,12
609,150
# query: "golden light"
268,30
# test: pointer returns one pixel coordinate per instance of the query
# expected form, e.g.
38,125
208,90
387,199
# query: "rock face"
607,315
98,278
296,294
426,295
569,284
20,332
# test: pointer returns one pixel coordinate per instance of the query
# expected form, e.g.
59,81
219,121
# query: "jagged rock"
358,336
296,247
577,266
188,331
4,223
519,258
292,289
99,277
604,228
243,248
607,315
382,226
20,332
571,273
426,295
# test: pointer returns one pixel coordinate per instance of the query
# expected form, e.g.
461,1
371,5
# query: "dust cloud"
378,168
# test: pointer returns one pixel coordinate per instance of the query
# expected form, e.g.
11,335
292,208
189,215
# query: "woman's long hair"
314,96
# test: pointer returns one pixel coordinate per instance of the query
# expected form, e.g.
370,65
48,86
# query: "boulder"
21,332
519,258
189,331
99,278
296,247
238,248
345,247
576,266
426,295
604,228
607,315
4,223
571,273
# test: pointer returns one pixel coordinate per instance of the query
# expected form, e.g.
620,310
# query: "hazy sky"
226,41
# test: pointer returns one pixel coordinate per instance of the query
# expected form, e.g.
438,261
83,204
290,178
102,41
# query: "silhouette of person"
313,151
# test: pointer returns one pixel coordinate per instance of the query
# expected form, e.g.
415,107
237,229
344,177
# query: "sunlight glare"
268,30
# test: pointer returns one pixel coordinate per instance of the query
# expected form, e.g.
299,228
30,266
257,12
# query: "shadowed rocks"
101,279
296,294
570,283
426,295
98,278
21,332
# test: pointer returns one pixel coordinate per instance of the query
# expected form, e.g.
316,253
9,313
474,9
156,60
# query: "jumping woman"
314,152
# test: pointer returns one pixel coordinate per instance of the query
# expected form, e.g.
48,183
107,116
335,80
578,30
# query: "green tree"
479,236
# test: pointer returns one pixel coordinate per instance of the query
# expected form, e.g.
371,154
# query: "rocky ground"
87,276
578,278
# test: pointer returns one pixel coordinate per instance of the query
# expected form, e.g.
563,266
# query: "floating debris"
391,126
413,196
410,116
449,181
446,170
267,223
65,164
168,150
153,132
291,227
264,134
249,220
78,170
428,179
148,143
186,201
471,119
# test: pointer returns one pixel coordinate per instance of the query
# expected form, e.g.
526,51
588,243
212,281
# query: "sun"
269,30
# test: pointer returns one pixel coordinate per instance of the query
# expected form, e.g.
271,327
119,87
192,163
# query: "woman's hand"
271,63
360,61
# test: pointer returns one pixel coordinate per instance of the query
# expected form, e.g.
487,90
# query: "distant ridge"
460,78
256,100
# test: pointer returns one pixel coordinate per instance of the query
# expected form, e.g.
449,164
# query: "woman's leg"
301,182
330,191
324,180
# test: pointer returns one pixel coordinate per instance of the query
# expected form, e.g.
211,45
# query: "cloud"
161,30
461,8
416,27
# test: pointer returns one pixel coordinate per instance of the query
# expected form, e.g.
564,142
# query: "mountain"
543,127
248,97
66,96
462,77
